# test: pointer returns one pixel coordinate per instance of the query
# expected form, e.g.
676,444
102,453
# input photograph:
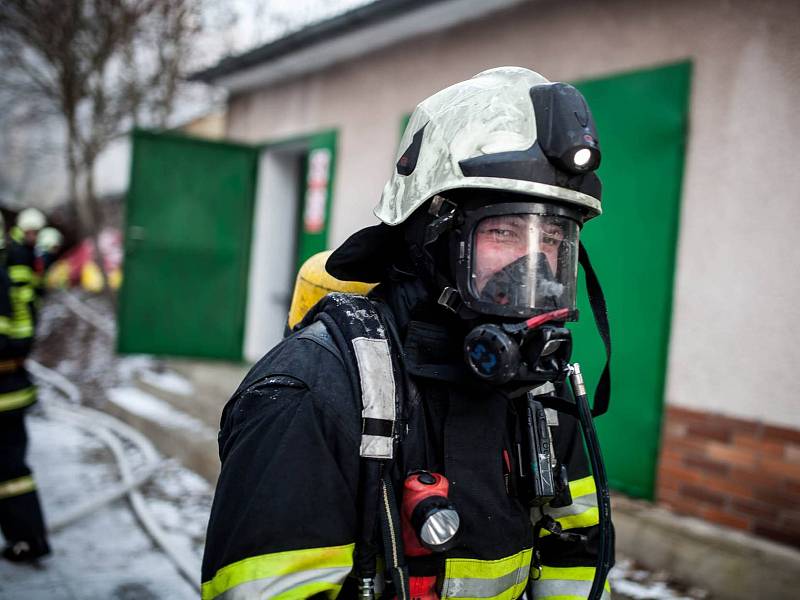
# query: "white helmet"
31,219
49,238
501,130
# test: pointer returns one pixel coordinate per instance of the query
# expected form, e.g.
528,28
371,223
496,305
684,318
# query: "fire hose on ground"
112,432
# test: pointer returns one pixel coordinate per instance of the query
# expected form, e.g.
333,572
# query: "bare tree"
102,66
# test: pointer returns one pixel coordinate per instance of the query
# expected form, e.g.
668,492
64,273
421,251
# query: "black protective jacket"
285,516
16,332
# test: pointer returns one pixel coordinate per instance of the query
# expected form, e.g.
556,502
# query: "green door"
187,246
642,123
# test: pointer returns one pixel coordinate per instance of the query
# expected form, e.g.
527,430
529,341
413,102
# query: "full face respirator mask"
515,267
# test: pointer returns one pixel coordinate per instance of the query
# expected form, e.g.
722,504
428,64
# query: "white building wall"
734,332
112,171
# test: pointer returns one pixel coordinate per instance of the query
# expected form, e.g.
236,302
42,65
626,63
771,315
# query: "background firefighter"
21,517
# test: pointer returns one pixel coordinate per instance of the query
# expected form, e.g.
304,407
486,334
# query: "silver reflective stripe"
579,506
377,391
472,587
376,446
559,588
269,587
543,389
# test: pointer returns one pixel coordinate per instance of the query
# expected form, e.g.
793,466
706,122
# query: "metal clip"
576,378
437,203
450,298
366,588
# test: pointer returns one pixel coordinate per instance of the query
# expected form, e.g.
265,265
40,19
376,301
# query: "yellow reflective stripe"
585,519
22,293
487,569
582,512
306,584
18,399
17,235
314,569
20,273
561,583
502,579
21,329
571,573
21,318
606,596
5,325
17,487
582,487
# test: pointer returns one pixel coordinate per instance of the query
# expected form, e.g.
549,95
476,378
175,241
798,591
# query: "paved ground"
106,555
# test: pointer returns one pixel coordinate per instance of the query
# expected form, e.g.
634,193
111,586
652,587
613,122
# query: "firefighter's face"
502,240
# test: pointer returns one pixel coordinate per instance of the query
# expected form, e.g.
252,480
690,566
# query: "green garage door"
642,123
187,245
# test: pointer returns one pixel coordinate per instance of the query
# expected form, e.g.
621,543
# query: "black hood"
368,254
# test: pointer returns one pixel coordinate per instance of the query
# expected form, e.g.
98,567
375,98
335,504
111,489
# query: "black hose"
605,554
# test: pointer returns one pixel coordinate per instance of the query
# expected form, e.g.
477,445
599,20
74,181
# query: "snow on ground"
152,372
167,381
629,581
143,404
106,555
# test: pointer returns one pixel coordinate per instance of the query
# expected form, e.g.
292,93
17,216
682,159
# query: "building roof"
343,37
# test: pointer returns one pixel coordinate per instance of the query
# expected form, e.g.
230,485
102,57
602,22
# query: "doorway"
290,224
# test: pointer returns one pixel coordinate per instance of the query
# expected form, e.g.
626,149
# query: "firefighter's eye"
551,236
501,235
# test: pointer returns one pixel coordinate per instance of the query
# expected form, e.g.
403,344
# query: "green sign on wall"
642,124
316,185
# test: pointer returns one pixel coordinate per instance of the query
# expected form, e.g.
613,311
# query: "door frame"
279,242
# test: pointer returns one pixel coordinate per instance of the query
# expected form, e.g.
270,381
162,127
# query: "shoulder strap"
362,337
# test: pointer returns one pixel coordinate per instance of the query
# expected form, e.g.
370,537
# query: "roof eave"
345,37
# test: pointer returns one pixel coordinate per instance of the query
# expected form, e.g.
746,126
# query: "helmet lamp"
582,157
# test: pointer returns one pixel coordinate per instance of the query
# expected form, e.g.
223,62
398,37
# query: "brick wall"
742,474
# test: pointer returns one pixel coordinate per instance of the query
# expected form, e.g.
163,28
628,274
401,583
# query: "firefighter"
21,519
330,441
48,246
24,270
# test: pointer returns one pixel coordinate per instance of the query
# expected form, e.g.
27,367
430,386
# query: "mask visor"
524,262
